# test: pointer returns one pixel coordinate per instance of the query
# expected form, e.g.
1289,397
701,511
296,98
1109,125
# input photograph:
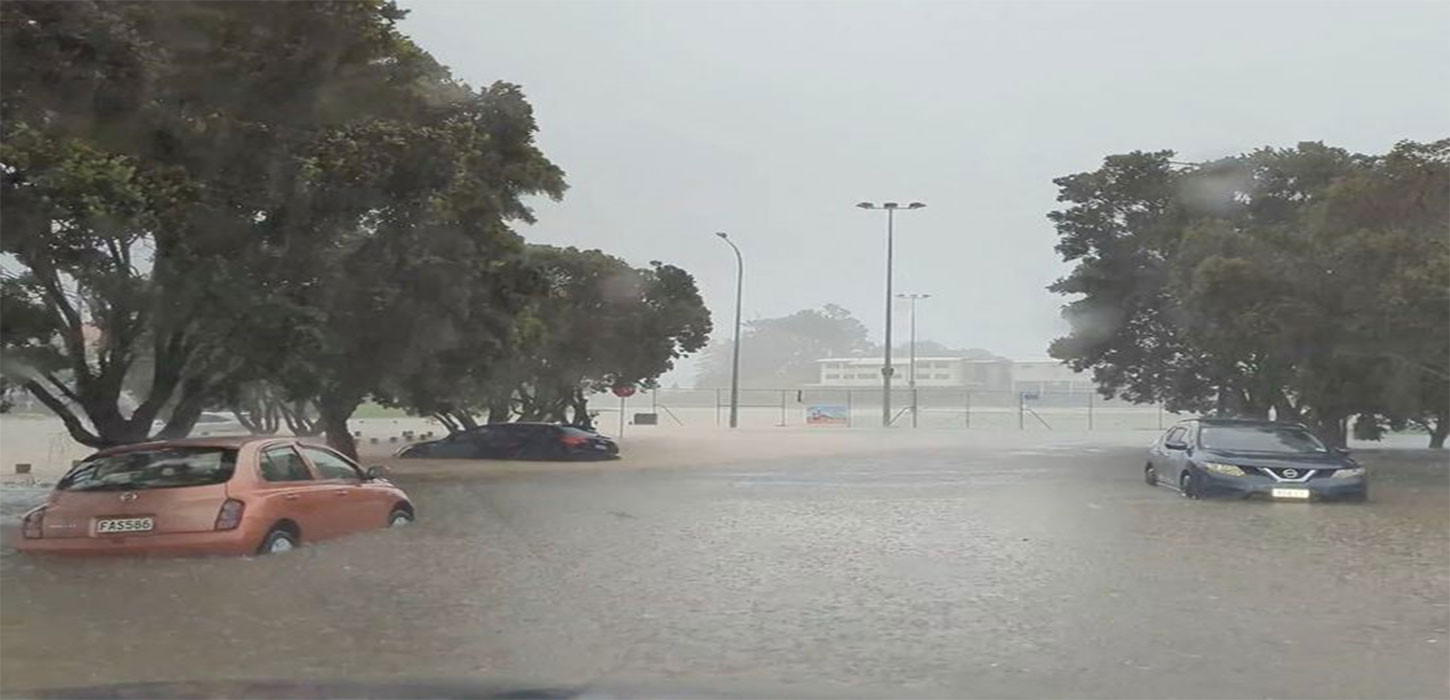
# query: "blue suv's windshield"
1259,438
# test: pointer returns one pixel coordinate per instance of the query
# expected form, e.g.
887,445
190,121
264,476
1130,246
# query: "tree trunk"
338,437
558,411
272,418
297,421
581,411
257,413
500,409
447,420
334,412
68,417
1439,433
1331,429
528,407
1284,410
1239,403
184,414
464,418
1256,407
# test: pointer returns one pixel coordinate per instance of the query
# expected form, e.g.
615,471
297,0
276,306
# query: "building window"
833,376
943,376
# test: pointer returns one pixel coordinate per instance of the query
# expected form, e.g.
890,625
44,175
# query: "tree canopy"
1310,282
782,352
594,323
286,208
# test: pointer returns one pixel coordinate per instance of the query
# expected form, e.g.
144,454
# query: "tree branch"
71,333
73,424
62,388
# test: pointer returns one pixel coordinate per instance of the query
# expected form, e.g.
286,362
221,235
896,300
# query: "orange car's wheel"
277,541
400,517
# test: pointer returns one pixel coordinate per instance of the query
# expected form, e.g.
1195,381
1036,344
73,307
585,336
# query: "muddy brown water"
946,567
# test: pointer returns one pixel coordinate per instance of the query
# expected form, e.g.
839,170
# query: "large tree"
591,322
1308,281
601,323
1122,225
150,157
782,352
234,191
433,273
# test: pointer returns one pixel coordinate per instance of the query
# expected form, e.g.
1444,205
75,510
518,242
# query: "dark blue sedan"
1208,457
546,441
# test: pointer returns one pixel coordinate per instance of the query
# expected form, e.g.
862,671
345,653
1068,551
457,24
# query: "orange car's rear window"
160,468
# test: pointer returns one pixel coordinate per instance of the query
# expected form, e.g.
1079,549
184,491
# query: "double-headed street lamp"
912,368
735,349
886,369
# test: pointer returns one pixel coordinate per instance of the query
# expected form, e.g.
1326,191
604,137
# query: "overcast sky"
770,121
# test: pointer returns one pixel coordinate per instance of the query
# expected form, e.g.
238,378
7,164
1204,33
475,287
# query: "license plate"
1290,493
114,525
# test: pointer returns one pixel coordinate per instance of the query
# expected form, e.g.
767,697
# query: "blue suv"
1206,457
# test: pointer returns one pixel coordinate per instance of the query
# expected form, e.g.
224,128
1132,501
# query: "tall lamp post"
735,348
912,368
886,369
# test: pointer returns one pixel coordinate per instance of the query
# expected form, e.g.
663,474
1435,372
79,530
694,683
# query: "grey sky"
770,120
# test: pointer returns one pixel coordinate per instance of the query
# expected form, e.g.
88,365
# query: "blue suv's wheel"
1188,484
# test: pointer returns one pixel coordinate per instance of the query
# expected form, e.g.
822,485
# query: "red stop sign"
623,391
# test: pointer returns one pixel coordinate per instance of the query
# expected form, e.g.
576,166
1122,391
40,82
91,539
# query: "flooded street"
950,568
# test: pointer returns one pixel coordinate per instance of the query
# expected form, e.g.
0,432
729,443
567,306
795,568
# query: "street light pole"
912,368
735,347
886,369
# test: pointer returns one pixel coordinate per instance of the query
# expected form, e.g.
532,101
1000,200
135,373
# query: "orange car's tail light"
34,526
230,515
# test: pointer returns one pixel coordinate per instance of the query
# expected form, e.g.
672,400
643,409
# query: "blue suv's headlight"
1225,469
1348,473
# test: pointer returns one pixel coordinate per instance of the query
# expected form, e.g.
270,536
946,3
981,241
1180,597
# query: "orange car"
223,495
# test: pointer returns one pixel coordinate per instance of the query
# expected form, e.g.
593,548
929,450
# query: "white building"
1032,376
955,372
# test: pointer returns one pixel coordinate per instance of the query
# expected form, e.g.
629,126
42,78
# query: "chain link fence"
934,408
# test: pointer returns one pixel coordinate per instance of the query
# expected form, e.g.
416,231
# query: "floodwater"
948,567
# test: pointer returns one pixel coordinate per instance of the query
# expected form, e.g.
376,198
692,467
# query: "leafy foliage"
1309,281
596,324
782,352
328,219
147,200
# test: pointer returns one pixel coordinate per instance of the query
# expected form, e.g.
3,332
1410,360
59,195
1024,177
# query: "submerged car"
222,495
1209,457
547,441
